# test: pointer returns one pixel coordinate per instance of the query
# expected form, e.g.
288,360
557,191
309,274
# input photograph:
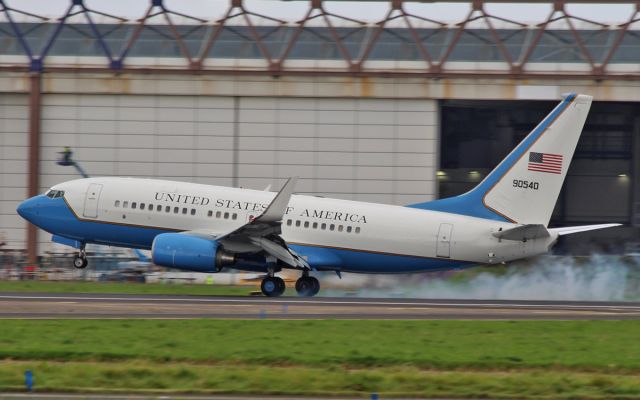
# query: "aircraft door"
91,200
443,247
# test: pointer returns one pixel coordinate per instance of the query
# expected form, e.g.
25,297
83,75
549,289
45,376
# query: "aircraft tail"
525,186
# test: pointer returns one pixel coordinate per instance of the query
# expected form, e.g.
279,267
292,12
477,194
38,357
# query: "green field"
125,288
463,359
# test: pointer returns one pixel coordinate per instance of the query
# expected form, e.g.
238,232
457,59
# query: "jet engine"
181,251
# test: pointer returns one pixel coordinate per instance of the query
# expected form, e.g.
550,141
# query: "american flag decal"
545,162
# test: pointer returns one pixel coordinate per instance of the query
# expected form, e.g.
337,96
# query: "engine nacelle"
175,250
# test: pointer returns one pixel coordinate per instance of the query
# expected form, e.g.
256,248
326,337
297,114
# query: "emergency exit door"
91,200
443,248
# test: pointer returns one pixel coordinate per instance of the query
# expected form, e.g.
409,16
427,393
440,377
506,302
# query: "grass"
125,288
403,381
525,359
590,345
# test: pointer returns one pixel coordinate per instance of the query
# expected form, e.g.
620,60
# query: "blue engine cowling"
176,250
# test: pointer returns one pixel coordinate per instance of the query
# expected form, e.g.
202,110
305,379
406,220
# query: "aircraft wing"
263,232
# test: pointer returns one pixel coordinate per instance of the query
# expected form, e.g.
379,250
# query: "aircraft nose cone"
28,209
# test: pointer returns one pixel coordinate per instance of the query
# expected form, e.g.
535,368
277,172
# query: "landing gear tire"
281,285
80,262
272,286
307,286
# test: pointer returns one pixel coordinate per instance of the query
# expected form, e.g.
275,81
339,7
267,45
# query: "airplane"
206,228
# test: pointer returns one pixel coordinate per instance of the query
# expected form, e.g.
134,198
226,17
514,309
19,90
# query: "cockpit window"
54,194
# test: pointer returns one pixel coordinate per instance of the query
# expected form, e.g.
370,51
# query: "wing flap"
282,253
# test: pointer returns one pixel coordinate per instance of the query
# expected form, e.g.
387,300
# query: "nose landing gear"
80,260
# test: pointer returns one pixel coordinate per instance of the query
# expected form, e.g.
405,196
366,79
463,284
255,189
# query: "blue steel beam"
18,34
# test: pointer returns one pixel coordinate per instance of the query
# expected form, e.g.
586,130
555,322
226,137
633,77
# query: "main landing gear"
307,286
80,260
272,286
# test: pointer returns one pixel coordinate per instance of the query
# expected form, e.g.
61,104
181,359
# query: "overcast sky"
369,11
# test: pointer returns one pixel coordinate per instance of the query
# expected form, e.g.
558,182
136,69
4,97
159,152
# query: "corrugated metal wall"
14,140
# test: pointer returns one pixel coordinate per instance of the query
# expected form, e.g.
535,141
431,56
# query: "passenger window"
298,223
332,227
133,205
348,229
150,207
340,228
289,222
167,209
125,204
210,213
226,215
176,210
117,203
142,206
357,229
234,216
315,225
218,214
193,211
323,226
159,208
184,210
306,224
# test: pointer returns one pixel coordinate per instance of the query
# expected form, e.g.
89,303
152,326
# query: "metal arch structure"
354,65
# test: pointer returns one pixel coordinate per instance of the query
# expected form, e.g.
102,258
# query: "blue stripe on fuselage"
350,260
55,216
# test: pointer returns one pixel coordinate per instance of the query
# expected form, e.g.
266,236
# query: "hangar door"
378,150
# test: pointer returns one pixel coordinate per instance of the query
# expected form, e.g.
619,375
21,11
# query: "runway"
100,306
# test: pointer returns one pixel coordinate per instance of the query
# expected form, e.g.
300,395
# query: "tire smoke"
595,278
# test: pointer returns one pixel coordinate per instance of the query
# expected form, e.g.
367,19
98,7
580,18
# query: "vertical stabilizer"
525,186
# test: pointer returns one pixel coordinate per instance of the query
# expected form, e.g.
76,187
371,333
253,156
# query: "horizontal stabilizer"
575,229
523,232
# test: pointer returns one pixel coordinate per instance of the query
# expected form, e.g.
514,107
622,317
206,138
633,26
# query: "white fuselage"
309,221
